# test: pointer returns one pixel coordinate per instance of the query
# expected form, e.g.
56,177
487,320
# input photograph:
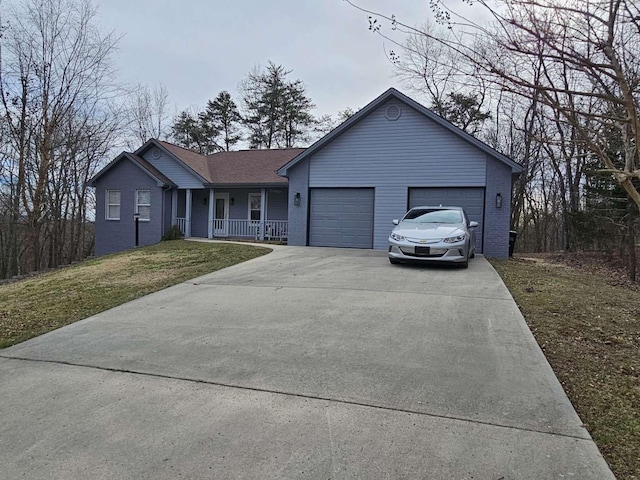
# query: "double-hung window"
143,204
112,210
255,206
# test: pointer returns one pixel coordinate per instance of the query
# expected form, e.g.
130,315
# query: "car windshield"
423,215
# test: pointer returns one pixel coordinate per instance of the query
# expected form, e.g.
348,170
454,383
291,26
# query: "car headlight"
457,239
397,238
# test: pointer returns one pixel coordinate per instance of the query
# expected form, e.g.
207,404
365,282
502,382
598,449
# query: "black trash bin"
512,241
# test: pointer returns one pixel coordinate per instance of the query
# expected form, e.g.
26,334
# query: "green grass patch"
37,305
588,326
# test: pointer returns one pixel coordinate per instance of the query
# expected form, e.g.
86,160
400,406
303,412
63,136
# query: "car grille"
422,252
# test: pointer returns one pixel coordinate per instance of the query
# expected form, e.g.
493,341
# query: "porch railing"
276,229
181,222
273,229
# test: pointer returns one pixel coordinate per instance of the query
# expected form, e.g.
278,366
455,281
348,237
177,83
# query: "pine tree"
222,118
277,112
191,132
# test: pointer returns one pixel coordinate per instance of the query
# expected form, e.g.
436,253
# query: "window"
112,210
433,215
143,204
255,206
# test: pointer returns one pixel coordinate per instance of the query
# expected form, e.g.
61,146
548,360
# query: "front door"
221,222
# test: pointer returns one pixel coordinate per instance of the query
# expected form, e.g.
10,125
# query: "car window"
424,215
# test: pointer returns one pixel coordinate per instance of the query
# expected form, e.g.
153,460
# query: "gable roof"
192,161
392,93
243,167
138,161
256,167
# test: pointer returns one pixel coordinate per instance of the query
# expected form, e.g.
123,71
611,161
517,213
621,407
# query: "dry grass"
34,306
588,325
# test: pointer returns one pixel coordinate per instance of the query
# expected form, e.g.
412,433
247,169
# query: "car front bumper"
435,252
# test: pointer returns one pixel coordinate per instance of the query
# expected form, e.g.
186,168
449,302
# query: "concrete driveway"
304,363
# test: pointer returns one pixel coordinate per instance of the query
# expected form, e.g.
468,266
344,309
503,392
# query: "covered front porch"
256,213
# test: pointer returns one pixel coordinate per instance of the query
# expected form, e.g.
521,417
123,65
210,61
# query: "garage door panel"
341,217
469,198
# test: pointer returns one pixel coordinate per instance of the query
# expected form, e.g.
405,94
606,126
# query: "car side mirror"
395,221
473,224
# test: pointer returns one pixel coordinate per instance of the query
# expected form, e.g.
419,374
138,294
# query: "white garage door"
341,217
471,199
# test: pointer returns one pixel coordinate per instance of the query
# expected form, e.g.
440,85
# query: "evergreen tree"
221,119
464,111
277,112
191,132
296,120
610,218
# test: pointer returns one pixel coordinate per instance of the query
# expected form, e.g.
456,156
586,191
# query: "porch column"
212,206
263,210
174,207
187,214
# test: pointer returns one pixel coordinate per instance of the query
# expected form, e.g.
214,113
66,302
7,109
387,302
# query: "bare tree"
428,67
148,108
589,50
56,84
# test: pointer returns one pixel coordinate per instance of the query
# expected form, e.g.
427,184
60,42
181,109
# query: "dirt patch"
609,267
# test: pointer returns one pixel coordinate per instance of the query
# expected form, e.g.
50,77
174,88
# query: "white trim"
107,204
249,209
187,213
137,203
263,211
212,201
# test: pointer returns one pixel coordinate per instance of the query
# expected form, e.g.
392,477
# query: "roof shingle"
243,167
250,166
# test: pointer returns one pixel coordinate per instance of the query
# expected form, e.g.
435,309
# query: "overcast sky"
196,48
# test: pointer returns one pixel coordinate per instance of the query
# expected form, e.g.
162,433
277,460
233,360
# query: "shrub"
174,233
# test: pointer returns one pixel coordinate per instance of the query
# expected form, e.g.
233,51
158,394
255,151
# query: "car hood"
428,231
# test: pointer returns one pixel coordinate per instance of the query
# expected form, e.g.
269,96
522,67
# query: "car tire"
465,264
393,261
473,255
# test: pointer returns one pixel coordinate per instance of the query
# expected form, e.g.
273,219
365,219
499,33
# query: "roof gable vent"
393,112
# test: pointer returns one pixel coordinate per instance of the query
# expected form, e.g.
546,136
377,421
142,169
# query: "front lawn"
587,321
34,306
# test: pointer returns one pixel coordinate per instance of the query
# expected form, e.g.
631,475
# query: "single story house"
342,191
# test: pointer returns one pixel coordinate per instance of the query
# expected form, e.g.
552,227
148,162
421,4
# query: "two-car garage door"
469,198
341,217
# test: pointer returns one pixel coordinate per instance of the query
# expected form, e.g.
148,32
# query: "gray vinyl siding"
199,213
166,225
277,204
117,235
240,208
173,170
389,156
497,220
378,151
298,183
182,207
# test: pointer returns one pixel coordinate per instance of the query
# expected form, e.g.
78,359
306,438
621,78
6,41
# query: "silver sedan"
435,234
